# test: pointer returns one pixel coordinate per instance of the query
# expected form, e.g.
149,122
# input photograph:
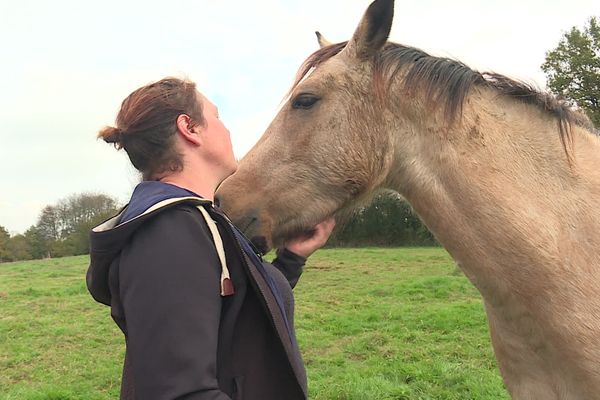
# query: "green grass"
372,324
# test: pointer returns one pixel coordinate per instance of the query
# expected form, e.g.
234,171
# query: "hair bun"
111,135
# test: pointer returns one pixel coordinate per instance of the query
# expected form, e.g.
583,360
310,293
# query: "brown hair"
146,125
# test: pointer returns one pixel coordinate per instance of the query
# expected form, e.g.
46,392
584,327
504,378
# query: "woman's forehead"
206,101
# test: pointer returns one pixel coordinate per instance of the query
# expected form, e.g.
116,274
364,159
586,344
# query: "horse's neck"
499,194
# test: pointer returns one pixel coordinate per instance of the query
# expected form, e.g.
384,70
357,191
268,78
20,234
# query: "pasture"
372,323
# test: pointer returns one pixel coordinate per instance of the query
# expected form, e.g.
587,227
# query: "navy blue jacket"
156,265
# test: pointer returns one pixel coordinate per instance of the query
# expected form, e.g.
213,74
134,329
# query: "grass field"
372,324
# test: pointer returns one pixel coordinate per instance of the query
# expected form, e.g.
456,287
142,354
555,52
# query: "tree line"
61,229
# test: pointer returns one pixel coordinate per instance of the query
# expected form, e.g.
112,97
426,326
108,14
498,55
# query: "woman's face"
217,141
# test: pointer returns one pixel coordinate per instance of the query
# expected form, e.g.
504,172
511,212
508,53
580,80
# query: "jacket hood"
108,238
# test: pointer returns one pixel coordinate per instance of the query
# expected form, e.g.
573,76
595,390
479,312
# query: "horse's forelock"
316,59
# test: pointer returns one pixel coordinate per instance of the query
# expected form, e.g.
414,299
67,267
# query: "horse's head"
325,148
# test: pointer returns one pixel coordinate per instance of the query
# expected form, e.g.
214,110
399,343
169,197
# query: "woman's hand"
306,245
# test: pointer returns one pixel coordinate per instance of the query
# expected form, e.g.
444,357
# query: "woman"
203,316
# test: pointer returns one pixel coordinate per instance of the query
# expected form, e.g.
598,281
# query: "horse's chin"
296,234
296,230
280,238
266,236
261,244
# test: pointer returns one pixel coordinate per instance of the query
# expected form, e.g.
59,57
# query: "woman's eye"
305,101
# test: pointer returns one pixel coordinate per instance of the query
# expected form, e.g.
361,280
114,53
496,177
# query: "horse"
505,176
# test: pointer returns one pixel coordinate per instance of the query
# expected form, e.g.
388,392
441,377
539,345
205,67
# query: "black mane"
447,82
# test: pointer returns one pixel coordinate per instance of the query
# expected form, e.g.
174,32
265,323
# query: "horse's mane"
447,82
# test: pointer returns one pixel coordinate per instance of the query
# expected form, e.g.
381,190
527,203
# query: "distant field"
372,323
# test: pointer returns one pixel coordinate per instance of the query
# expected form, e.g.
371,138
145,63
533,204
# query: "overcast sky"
65,67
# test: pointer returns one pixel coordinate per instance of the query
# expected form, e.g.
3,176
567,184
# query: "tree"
18,248
48,229
75,216
37,244
63,229
49,223
78,215
573,68
4,244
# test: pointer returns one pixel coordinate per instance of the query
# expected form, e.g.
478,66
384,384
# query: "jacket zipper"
270,306
247,261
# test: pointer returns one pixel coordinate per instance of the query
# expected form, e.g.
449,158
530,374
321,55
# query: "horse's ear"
372,31
322,41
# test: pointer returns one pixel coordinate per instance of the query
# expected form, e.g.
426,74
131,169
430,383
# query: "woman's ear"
187,129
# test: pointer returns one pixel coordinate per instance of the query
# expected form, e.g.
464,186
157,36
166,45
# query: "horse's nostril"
217,200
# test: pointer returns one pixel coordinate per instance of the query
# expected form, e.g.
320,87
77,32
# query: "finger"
326,224
326,227
323,230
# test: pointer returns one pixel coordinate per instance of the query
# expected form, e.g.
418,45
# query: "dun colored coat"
506,177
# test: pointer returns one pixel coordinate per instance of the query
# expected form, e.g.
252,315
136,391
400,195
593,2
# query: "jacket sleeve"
290,264
169,284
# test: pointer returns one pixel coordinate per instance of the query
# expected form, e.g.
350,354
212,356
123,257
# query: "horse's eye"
305,101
